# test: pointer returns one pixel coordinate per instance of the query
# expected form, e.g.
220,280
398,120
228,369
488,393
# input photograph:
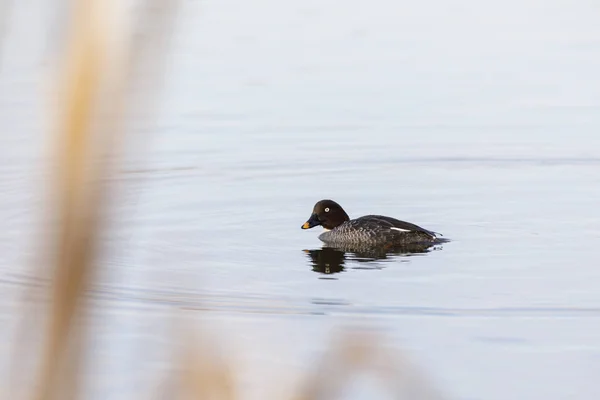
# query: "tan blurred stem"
94,84
201,372
79,195
354,352
206,378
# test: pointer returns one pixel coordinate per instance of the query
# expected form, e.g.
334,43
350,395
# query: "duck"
369,230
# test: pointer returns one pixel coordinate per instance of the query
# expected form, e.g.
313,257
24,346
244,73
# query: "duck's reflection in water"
332,260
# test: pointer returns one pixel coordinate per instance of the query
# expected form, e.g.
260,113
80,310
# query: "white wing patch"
401,230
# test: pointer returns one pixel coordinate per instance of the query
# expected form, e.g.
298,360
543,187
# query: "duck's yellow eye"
327,209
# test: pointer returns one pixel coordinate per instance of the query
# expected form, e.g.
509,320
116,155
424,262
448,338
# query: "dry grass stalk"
205,376
355,352
94,89
79,196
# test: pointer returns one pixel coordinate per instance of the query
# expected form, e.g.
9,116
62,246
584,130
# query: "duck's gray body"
377,230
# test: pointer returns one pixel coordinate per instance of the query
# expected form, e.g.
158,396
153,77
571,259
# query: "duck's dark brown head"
328,214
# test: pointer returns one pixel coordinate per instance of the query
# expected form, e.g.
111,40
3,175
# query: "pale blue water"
479,120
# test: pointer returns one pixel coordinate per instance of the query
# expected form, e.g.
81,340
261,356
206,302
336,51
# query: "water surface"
476,120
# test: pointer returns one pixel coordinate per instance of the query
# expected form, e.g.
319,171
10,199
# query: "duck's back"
377,230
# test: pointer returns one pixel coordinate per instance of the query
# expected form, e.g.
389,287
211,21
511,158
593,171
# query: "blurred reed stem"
78,195
93,89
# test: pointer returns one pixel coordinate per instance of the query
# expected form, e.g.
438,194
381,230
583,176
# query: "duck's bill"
312,222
